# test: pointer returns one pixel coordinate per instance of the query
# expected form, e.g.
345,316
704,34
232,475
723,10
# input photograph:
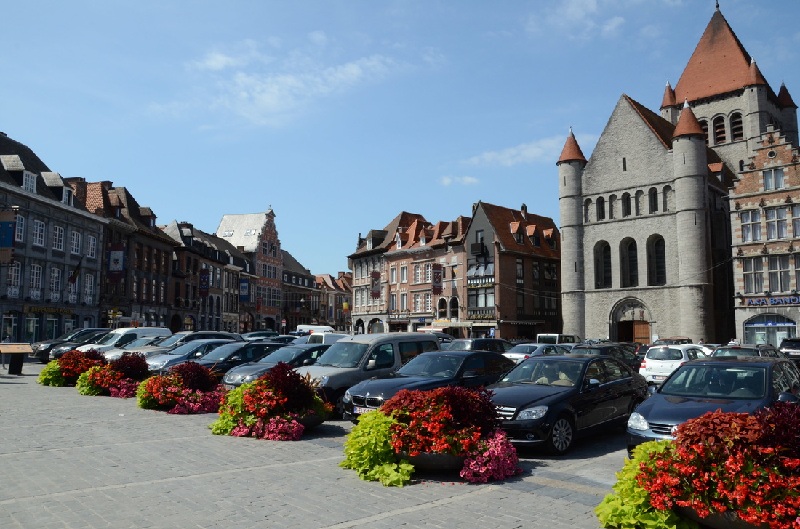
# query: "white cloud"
540,150
576,20
267,98
318,38
245,53
458,180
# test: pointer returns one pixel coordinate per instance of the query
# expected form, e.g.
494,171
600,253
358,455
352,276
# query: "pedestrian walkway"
72,461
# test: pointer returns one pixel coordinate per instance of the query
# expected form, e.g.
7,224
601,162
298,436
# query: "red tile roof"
669,97
502,218
719,64
687,124
572,151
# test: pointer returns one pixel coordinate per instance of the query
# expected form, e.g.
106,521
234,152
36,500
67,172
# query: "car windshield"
523,348
664,353
223,351
169,341
550,372
284,354
110,338
343,354
460,345
590,350
737,382
735,351
186,348
138,342
435,365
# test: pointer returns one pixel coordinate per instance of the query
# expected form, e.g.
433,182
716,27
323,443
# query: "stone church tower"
646,226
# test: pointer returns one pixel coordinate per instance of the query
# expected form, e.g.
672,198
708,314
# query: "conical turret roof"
784,98
669,97
687,124
572,151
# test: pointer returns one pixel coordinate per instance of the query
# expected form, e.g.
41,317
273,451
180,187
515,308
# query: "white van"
356,358
122,336
557,338
325,337
311,329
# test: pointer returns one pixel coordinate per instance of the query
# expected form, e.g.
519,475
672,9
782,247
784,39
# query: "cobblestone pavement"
71,461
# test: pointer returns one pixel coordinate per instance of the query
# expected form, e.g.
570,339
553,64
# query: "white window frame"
55,283
75,246
58,238
91,247
753,274
751,225
773,179
776,223
19,229
779,273
29,181
39,232
35,282
14,277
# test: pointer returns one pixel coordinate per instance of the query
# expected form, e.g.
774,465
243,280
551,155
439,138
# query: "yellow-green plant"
368,450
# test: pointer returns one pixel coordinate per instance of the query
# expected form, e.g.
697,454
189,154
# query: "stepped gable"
718,65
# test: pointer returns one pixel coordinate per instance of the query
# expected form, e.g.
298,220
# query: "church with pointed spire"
652,223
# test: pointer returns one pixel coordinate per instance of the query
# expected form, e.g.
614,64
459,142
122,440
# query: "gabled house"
51,279
256,236
135,287
512,258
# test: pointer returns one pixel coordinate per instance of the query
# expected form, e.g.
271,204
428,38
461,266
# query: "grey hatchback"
742,384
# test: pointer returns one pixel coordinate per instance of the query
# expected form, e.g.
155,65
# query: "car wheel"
338,405
561,435
623,421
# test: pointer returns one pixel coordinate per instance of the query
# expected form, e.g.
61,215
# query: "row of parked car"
546,394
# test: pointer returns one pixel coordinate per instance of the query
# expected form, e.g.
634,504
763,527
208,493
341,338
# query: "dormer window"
67,196
422,240
29,182
398,241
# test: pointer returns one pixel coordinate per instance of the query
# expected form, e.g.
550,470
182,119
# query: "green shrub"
51,375
85,386
368,450
628,507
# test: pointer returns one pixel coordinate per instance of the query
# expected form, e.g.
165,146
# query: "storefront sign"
782,300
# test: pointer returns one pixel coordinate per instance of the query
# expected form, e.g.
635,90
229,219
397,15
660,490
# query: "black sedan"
728,383
228,356
294,355
550,400
430,370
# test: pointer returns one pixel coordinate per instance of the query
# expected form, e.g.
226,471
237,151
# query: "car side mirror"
471,373
788,397
371,364
308,361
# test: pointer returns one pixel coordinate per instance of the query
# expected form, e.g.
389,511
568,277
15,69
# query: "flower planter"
311,421
724,520
433,461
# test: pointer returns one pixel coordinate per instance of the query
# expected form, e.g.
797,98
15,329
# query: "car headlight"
529,414
347,397
637,422
251,377
323,380
157,365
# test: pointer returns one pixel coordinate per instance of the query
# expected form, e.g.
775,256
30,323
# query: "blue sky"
340,114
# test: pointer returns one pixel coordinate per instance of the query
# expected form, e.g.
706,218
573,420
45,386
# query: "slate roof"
291,264
244,229
14,157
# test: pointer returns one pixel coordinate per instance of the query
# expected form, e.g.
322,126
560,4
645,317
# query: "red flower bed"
73,363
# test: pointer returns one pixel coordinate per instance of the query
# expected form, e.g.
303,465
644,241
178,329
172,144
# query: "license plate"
229,387
358,410
659,377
